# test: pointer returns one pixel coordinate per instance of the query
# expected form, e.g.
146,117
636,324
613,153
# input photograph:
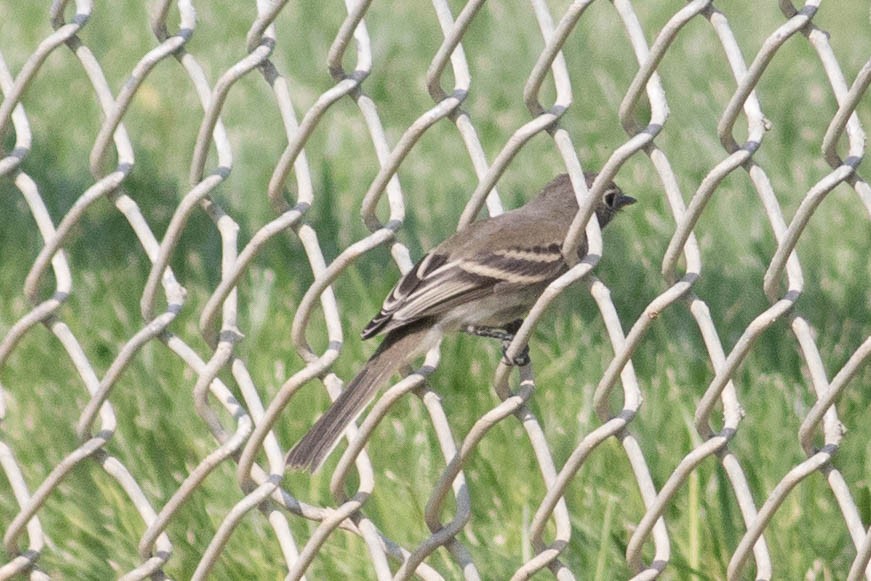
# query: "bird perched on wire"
482,280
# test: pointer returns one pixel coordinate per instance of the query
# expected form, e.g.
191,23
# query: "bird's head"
613,200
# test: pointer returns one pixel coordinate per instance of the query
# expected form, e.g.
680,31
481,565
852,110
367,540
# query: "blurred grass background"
93,527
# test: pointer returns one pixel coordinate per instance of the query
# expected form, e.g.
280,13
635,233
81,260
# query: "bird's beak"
626,201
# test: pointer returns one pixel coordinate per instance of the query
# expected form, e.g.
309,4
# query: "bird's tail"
398,348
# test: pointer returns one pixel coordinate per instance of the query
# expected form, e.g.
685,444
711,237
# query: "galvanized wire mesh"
243,416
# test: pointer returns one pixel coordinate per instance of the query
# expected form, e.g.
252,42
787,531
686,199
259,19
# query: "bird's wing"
440,282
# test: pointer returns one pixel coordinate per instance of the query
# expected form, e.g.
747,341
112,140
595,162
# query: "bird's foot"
506,335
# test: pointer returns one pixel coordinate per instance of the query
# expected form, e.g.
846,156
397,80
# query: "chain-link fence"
171,341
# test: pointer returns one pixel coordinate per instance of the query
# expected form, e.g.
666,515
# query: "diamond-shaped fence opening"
185,272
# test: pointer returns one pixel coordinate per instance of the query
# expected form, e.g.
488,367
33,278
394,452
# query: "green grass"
93,527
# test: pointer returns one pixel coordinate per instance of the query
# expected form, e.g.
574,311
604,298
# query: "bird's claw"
506,335
520,360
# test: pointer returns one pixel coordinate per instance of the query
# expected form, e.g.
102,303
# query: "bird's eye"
611,199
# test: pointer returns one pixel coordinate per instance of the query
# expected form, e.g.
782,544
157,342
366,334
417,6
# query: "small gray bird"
482,280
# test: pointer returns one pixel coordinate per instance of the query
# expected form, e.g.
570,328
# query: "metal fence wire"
247,414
